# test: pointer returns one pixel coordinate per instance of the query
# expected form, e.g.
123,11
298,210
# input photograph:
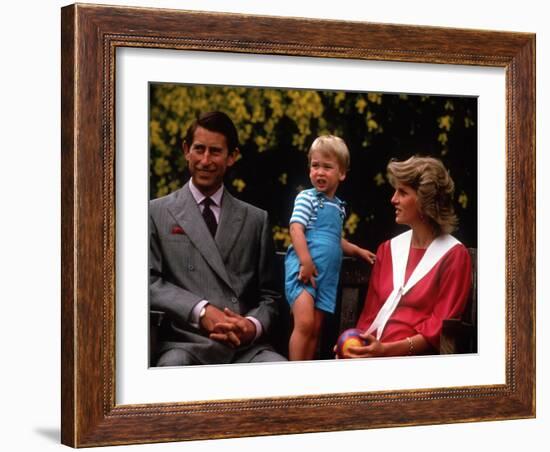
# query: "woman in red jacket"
420,277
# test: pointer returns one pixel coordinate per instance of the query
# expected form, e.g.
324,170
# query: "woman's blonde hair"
334,146
434,188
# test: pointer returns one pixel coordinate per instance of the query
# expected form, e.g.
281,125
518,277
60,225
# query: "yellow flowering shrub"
277,126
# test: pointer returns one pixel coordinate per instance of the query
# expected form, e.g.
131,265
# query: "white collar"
400,247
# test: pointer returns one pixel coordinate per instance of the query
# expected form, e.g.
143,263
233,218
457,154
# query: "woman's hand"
413,345
373,349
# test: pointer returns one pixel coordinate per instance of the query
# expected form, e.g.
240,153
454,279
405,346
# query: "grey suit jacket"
233,270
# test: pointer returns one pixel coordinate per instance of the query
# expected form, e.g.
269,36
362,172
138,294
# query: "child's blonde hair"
334,146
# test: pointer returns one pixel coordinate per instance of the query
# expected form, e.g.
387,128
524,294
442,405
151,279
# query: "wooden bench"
458,335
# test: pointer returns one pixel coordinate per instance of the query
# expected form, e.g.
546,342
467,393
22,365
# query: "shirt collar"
199,197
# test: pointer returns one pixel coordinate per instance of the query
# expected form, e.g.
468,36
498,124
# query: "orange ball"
349,338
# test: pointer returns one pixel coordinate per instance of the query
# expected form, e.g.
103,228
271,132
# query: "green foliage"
276,127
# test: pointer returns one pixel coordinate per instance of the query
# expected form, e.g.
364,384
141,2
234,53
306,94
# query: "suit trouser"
181,357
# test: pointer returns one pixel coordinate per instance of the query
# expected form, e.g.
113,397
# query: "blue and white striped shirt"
308,202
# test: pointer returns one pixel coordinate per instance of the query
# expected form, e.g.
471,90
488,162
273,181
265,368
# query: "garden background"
277,126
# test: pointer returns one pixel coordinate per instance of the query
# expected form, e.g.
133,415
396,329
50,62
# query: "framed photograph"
119,64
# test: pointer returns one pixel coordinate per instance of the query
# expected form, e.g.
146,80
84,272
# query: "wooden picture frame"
90,37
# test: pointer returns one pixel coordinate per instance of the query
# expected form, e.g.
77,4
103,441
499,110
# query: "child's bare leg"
318,319
304,337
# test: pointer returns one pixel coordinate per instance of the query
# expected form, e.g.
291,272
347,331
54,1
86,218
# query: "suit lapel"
187,213
231,221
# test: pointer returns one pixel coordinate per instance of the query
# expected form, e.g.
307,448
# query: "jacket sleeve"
266,311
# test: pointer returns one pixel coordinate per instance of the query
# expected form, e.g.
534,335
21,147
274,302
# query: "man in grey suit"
210,259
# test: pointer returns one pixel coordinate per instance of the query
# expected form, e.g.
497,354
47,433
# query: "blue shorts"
327,259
